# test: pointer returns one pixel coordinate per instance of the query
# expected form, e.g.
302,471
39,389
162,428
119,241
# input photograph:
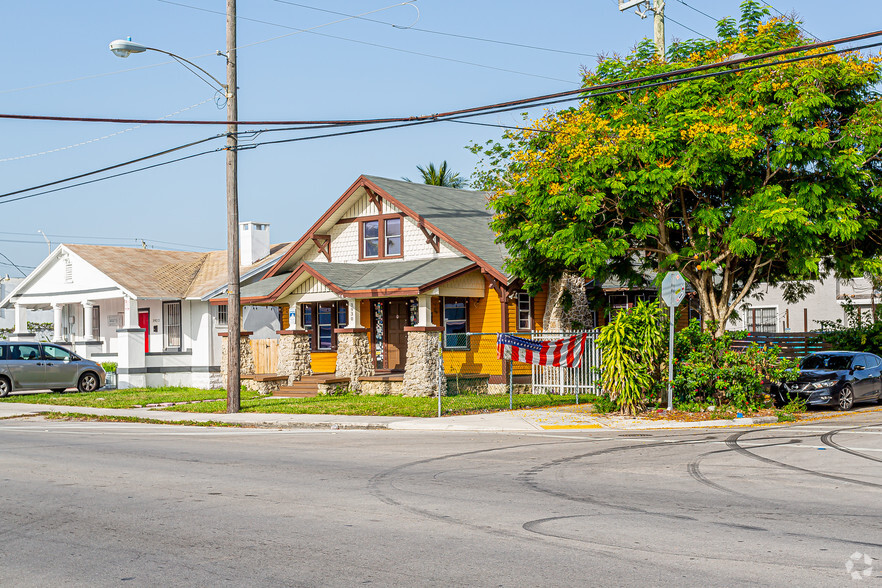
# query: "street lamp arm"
123,48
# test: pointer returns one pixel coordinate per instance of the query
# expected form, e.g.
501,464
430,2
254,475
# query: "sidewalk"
529,420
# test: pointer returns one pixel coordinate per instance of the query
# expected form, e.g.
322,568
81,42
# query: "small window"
96,323
525,312
2,351
172,312
393,237
456,323
342,315
56,353
220,314
762,320
371,238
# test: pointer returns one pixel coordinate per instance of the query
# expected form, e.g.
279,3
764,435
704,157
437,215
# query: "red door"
144,323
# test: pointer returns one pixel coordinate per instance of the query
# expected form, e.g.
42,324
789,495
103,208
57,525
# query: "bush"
109,366
631,344
708,370
857,333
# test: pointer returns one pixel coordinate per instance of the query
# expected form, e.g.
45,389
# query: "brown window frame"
312,329
380,219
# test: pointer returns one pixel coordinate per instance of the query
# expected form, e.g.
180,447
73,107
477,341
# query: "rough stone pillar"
246,356
294,355
354,357
567,308
423,361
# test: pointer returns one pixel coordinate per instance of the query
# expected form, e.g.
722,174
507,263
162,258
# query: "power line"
652,81
687,28
446,34
12,263
698,11
526,102
368,43
794,21
97,238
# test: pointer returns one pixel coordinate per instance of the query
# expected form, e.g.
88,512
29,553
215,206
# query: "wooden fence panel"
793,345
266,355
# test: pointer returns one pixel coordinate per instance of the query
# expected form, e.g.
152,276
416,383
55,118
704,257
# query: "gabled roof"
460,218
156,273
363,279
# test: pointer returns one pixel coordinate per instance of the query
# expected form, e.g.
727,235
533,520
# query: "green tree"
769,175
440,176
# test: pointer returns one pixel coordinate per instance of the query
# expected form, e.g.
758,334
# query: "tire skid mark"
732,442
827,439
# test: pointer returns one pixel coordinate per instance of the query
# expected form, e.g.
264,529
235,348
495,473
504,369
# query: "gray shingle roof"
370,276
461,214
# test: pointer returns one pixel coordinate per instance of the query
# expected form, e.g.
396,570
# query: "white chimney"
254,242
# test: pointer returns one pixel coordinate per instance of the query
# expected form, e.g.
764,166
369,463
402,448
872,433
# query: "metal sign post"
672,292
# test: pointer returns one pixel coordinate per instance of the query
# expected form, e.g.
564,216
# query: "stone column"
354,358
246,356
567,308
57,334
294,355
423,361
21,325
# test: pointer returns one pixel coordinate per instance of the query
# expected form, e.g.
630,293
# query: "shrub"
109,366
857,333
707,369
631,344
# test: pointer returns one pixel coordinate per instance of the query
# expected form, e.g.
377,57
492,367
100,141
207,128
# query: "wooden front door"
396,338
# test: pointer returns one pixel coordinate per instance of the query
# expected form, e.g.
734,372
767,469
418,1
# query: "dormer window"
381,237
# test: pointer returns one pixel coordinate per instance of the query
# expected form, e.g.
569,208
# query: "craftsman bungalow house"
389,273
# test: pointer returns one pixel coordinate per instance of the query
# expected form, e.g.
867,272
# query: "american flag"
561,352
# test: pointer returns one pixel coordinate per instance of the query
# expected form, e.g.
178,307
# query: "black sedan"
837,378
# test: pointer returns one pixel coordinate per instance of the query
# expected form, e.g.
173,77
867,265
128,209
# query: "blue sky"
57,62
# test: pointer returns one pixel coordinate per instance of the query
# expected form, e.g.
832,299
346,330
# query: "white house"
766,311
7,317
147,310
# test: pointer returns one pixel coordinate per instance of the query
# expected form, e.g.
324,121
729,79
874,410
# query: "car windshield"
826,362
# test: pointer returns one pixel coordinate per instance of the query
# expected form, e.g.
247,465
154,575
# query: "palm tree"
440,176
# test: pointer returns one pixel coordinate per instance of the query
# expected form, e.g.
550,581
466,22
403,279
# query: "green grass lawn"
128,398
214,401
353,404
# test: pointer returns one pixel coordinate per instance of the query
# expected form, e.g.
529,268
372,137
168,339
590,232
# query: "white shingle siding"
415,246
344,243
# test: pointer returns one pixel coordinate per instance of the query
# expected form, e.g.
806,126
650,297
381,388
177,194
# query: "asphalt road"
112,504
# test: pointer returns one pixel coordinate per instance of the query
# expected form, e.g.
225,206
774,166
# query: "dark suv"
28,365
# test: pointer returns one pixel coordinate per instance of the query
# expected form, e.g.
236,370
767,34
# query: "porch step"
307,386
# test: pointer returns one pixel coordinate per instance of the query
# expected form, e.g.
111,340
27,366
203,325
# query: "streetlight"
124,48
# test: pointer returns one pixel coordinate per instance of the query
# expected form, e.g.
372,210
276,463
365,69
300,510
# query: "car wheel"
846,398
5,387
88,382
58,390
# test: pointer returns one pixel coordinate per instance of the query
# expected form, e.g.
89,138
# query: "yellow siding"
539,303
325,362
484,317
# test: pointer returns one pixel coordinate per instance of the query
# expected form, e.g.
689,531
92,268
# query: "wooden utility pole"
659,27
234,321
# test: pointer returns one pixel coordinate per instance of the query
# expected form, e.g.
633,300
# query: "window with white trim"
761,320
525,311
96,323
220,314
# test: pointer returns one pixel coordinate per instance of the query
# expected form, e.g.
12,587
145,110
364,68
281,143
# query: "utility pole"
234,322
657,7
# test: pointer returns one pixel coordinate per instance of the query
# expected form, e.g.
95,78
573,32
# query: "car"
28,365
836,378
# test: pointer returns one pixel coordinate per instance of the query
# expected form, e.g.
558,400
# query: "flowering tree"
769,175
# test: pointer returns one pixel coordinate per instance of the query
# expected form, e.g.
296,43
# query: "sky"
57,62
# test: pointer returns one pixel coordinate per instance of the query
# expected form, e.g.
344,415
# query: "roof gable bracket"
323,242
376,199
431,238
503,291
